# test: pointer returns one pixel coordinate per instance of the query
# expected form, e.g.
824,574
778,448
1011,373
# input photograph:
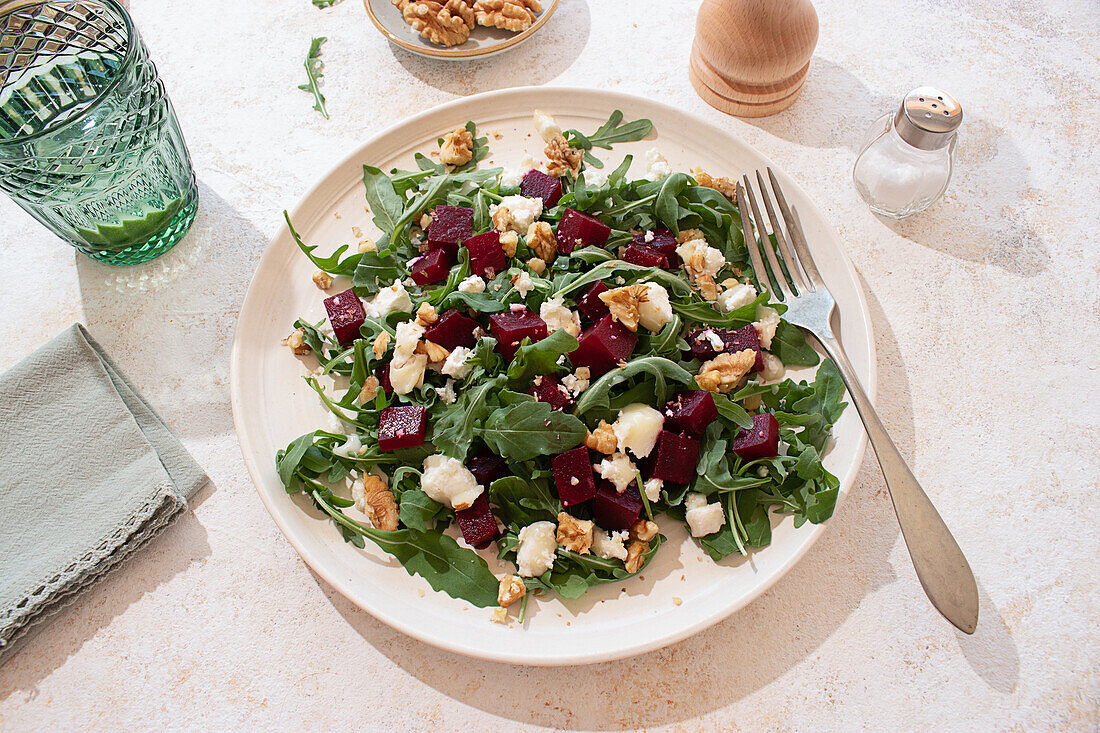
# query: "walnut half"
377,502
623,303
457,148
511,590
723,372
442,23
574,534
635,555
540,238
562,159
512,15
602,439
296,342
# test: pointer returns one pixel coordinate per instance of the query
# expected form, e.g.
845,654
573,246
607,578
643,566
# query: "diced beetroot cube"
576,230
573,476
450,226
487,257
703,345
345,314
759,441
643,254
616,511
487,467
548,388
478,525
591,305
402,427
431,268
662,240
675,457
538,185
603,345
511,327
452,330
691,412
383,374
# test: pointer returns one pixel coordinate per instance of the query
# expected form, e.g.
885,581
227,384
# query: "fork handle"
941,566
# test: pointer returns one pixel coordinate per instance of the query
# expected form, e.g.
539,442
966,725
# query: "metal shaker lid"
927,118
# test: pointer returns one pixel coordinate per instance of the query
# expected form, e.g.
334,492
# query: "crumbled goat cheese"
524,210
712,259
773,368
455,365
703,518
652,489
447,481
714,340
767,320
656,311
637,428
649,236
578,381
536,550
392,299
447,392
523,284
510,177
351,446
733,298
546,126
409,374
657,166
559,318
594,177
472,284
528,162
609,546
409,334
618,469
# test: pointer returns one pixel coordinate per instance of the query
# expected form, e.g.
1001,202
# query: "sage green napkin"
88,472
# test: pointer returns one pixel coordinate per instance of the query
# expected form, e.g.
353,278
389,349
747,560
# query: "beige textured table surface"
985,311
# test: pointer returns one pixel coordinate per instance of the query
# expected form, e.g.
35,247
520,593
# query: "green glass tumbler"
89,144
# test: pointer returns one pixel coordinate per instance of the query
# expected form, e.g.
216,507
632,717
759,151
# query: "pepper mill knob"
750,57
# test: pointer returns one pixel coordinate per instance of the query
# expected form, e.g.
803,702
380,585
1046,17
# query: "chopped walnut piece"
690,235
508,242
296,342
434,351
511,590
624,302
635,555
370,389
367,245
498,615
540,238
378,503
537,265
562,158
322,279
602,439
512,15
440,23
643,530
504,220
425,220
723,372
426,315
381,343
574,534
725,186
707,287
458,147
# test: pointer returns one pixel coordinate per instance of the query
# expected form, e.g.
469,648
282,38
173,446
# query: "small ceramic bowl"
483,41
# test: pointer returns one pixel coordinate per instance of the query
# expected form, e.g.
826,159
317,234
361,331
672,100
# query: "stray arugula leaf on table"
314,72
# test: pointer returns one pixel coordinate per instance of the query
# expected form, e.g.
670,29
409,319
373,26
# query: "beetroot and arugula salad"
554,361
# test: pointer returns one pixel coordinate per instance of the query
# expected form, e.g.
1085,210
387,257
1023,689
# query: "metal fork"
941,567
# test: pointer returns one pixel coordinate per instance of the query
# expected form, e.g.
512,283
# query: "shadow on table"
175,317
538,60
732,659
163,556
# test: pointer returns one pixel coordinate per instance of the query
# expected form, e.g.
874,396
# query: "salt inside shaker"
907,158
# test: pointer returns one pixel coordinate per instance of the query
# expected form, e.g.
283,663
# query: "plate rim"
456,52
612,99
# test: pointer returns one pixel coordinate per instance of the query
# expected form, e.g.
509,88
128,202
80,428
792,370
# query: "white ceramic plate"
482,43
272,405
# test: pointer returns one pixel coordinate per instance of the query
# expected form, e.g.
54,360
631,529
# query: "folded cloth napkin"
88,472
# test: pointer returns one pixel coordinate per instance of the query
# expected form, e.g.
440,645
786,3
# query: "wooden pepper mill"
750,57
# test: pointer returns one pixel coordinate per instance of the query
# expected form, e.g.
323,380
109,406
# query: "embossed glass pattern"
89,144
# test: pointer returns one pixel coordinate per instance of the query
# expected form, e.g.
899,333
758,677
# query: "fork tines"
792,272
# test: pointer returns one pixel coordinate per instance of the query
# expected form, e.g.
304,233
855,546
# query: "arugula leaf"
789,344
434,556
418,511
453,432
519,501
663,370
527,430
732,411
667,208
333,264
315,71
480,302
611,132
324,3
382,198
540,357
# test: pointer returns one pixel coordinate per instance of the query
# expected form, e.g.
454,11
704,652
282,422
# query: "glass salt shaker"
907,158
